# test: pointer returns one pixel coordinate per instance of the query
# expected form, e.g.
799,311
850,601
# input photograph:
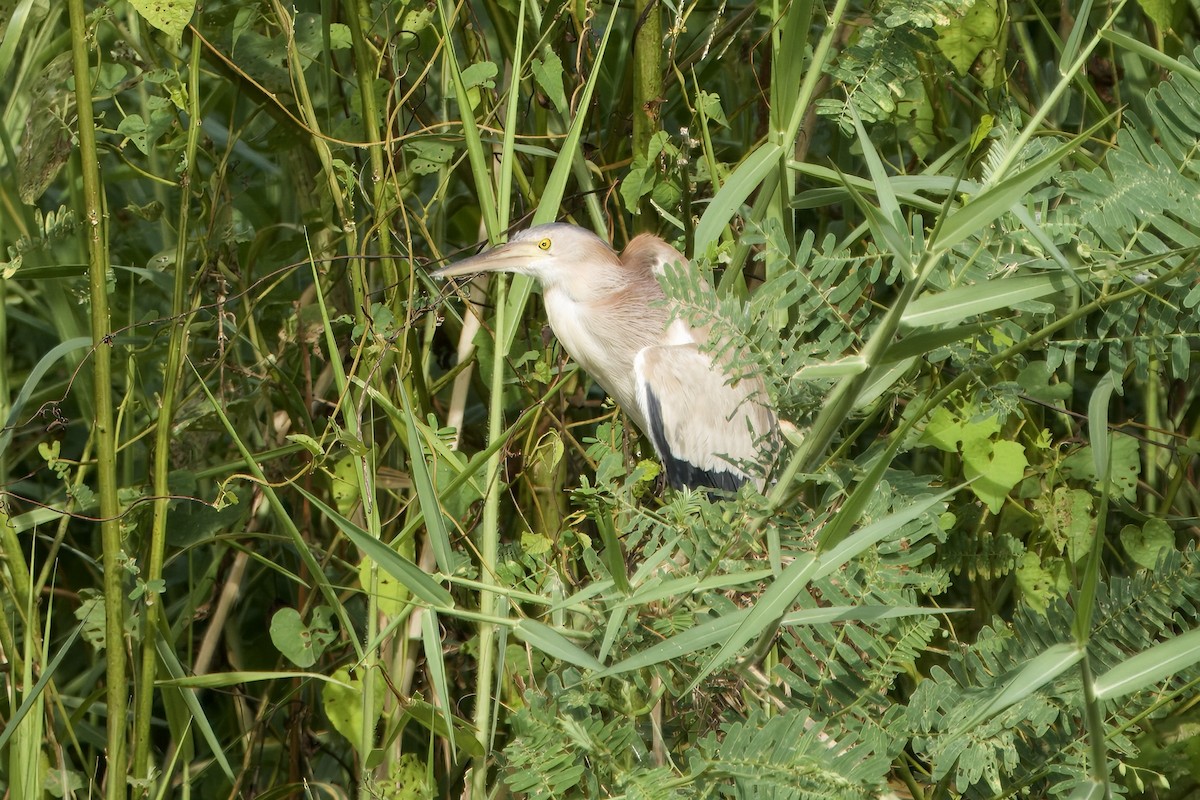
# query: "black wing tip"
684,474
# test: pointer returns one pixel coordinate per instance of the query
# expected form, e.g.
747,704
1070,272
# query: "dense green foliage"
282,517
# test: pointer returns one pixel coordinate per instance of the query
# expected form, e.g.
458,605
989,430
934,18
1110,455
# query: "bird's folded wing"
701,424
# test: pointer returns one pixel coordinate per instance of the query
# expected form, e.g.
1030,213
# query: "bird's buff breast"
589,345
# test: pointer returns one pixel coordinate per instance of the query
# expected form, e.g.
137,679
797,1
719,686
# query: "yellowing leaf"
169,16
344,705
1162,12
965,39
1041,582
995,467
392,596
1067,516
944,431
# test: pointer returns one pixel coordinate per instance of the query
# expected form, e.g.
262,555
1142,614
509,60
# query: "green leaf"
949,432
427,156
546,456
416,18
481,73
392,598
302,644
1145,545
435,520
1041,580
1035,379
1126,466
143,136
549,77
967,38
1067,516
1163,13
710,104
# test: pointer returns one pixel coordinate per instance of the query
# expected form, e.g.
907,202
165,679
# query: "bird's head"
558,254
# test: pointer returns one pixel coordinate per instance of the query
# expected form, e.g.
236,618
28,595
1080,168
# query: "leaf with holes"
169,16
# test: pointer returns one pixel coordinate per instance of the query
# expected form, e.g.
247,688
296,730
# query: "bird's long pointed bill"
511,257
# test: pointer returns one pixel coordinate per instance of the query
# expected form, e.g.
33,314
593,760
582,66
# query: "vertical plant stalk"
96,235
647,85
365,70
5,396
489,545
172,380
365,65
308,112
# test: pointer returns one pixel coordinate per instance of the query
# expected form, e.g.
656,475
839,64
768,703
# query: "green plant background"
280,516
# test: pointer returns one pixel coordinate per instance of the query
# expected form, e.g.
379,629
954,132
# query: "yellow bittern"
611,315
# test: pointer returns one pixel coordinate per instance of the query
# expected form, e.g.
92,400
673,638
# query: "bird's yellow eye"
544,244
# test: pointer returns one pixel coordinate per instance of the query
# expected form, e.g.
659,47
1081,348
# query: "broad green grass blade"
1151,54
675,587
771,606
891,228
413,577
34,692
175,669
553,643
578,600
865,613
282,517
1036,673
983,209
919,344
513,101
1101,441
20,16
220,680
883,378
774,602
435,661
729,198
1098,431
841,552
484,190
706,634
842,368
435,521
434,720
1150,667
955,305
616,621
